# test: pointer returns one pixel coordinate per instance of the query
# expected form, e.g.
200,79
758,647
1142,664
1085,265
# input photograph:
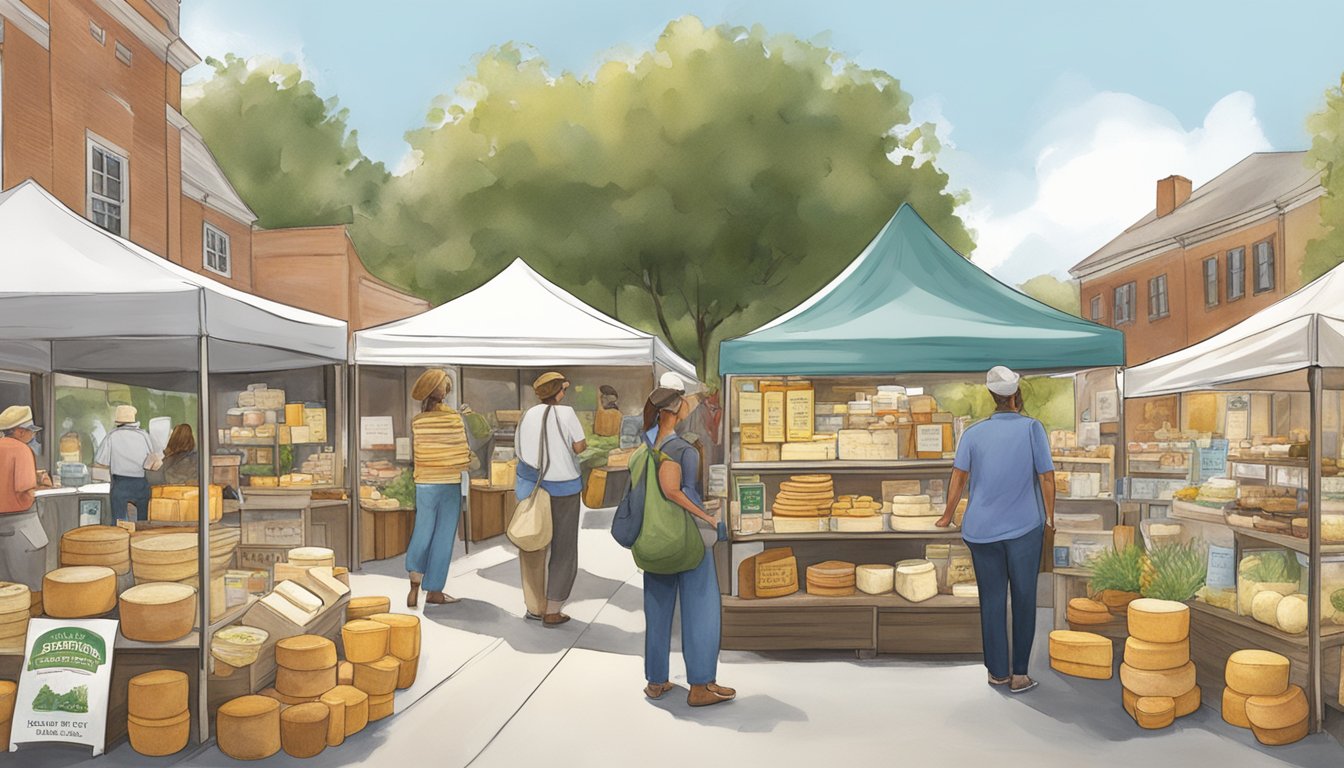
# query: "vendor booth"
93,317
1256,421
494,341
845,415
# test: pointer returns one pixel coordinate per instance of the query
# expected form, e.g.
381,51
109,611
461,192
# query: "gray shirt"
124,451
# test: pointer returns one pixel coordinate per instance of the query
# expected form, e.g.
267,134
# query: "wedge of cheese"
1142,654
1081,648
1159,621
875,579
1255,672
301,598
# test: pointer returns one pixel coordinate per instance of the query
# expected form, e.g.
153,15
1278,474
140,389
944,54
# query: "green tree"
697,190
1060,294
288,151
1327,151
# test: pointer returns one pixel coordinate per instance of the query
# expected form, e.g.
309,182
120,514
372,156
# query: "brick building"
1205,259
90,108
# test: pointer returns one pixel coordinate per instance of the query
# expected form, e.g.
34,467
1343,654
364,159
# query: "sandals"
656,690
1000,681
414,596
1027,686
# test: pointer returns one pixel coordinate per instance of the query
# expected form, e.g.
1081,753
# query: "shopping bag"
530,528
629,517
669,541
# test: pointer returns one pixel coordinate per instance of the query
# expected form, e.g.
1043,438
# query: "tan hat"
429,383
549,384
17,416
126,414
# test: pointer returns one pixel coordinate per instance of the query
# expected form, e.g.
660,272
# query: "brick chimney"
1172,192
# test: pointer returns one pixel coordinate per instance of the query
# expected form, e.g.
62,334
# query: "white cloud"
212,33
1096,167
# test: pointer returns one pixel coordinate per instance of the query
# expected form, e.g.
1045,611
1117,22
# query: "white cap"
1002,381
672,380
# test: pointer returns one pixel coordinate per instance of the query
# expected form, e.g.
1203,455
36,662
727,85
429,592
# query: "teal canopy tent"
911,304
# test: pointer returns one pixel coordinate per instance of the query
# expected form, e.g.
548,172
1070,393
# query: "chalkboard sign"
1212,460
751,498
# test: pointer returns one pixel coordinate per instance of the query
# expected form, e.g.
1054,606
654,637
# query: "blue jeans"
129,490
699,591
437,509
1002,567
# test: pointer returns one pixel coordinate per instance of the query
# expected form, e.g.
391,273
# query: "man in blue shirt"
1005,462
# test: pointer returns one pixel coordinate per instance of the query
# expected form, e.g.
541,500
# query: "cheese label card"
751,498
774,417
749,408
929,438
64,682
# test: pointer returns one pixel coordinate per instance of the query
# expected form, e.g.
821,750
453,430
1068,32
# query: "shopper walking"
440,456
678,464
180,461
1005,462
546,585
23,541
128,451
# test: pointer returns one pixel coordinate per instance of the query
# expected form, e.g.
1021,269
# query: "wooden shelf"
1268,462
1187,510
838,535
1084,573
1288,542
1331,636
1160,473
841,466
1079,460
193,640
887,602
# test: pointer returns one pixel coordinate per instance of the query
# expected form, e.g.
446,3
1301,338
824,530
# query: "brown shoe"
727,693
702,696
554,619
439,598
414,597
656,690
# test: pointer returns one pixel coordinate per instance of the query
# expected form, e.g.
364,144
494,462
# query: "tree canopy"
1048,289
1327,150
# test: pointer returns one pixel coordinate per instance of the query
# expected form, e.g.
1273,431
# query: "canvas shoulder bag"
669,541
530,528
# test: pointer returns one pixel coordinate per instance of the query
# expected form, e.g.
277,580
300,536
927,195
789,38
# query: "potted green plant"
1116,576
1177,571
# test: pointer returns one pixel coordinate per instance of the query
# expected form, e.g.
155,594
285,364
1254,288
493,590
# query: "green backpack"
669,541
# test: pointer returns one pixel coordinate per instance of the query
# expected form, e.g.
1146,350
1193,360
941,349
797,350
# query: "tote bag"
629,517
669,541
530,529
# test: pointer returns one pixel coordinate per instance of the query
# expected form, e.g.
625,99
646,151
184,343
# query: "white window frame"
206,230
108,148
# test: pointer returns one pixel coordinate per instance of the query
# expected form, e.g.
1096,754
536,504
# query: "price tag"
1212,460
929,438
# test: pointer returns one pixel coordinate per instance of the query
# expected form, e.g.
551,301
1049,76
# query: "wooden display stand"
384,533
490,510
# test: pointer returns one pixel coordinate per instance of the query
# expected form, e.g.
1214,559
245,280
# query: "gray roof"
1261,181
205,181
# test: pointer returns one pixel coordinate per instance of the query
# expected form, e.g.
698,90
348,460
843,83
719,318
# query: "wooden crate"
327,624
384,533
491,510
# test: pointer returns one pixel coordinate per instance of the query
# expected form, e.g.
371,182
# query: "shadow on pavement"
745,714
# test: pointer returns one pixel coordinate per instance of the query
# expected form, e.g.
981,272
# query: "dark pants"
129,490
1003,567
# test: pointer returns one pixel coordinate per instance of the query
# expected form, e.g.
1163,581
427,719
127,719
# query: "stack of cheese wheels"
106,545
158,718
833,578
15,610
79,592
912,513
403,643
856,514
9,691
364,607
305,668
875,579
1081,654
304,729
164,557
1083,612
379,680
157,611
345,674
1157,674
801,502
349,713
1258,696
916,580
248,727
312,557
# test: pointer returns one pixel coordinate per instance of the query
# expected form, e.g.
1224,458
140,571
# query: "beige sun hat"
17,416
126,414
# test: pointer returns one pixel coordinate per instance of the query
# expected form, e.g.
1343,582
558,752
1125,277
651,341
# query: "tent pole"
1314,694
352,468
203,529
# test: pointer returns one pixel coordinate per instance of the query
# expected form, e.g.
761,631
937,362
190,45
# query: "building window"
216,251
1096,309
97,32
107,188
1157,298
1211,282
123,54
1236,274
1264,266
1124,304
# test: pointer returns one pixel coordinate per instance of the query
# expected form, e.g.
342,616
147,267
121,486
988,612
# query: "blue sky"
1059,116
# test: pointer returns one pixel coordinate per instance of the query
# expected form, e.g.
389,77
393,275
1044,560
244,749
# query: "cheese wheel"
305,684
312,557
1276,712
157,612
355,703
378,678
96,540
164,548
1278,737
380,707
345,674
304,729
364,607
147,572
8,692
14,597
407,672
1153,712
15,630
1188,702
1234,708
248,727
35,606
875,579
403,639
288,701
1081,648
1142,654
157,738
157,695
1128,699
119,563
79,592
1265,606
1159,621
1291,615
335,720
1257,673
306,653
1088,671
1085,612
364,640
1159,682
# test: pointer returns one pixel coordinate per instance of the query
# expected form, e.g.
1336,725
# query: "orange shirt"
18,476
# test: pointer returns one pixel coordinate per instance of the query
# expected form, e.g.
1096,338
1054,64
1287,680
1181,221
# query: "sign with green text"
63,686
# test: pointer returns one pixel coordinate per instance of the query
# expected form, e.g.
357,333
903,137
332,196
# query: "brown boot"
439,598
414,597
702,696
656,690
554,619
720,690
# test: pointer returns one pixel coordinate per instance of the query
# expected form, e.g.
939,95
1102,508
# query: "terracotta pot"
1117,601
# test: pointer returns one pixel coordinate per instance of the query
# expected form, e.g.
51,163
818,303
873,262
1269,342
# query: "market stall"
1256,419
845,415
495,341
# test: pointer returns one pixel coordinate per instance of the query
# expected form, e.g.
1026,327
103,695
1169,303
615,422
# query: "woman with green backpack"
674,535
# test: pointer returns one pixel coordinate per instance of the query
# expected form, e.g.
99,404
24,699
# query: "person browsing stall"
180,460
127,452
439,448
23,541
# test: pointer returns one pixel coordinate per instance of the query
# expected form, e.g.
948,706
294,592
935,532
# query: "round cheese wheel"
1279,737
14,597
15,629
1188,702
8,692
363,607
164,548
157,612
248,727
1087,671
1255,672
79,592
403,633
306,653
147,572
119,563
1153,712
1234,708
407,672
1081,648
1158,683
157,695
364,641
1142,654
1159,621
380,707
356,704
378,678
1265,606
1275,712
345,674
875,579
157,738
288,701
96,540
1291,615
335,720
303,729
305,684
1128,699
